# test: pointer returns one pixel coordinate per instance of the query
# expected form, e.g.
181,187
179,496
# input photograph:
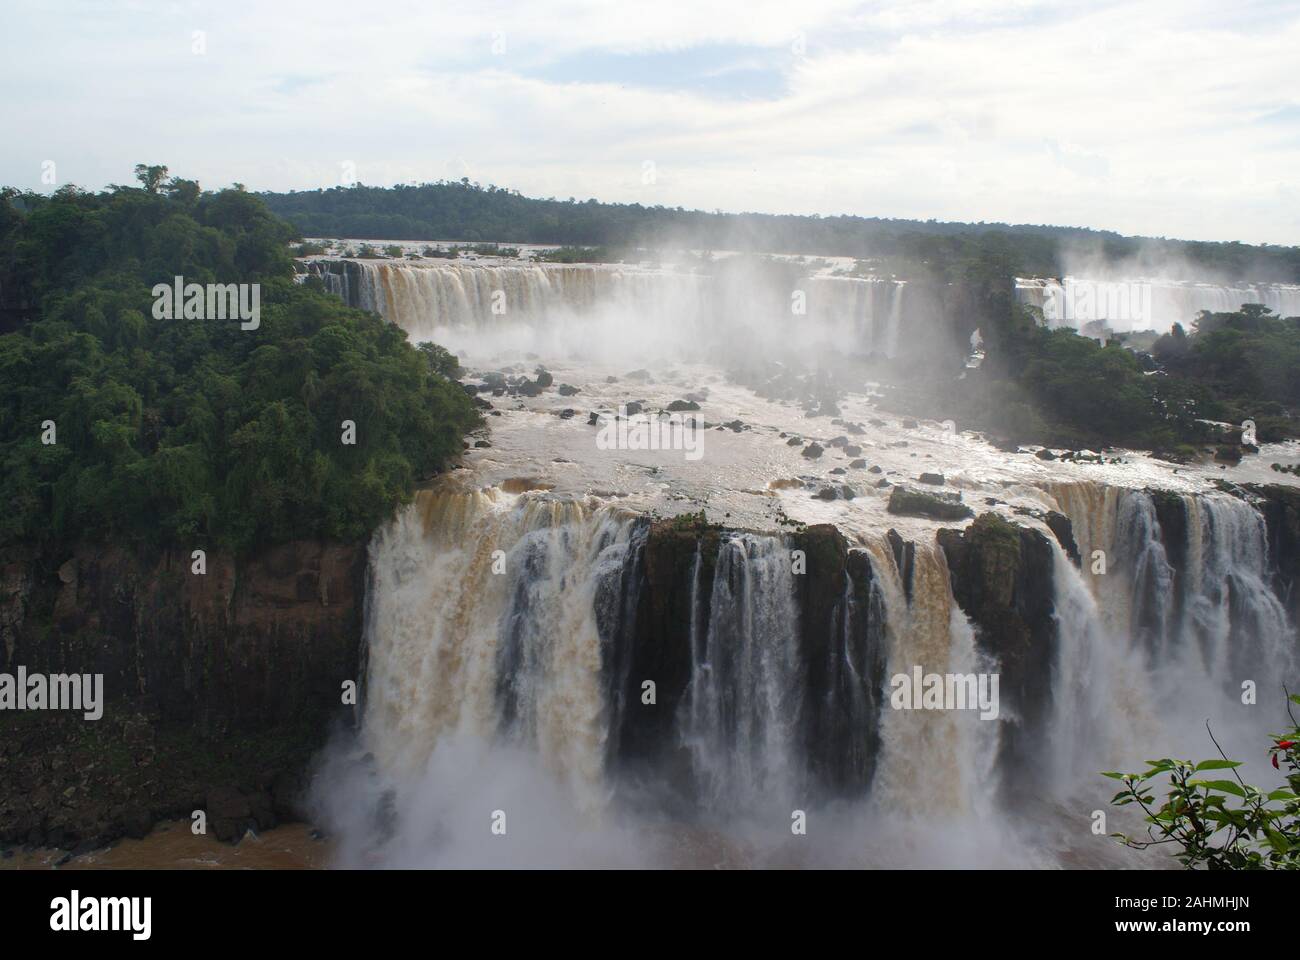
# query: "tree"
151,177
1220,824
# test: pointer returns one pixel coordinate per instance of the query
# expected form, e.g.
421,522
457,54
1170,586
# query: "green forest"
117,424
1055,387
465,211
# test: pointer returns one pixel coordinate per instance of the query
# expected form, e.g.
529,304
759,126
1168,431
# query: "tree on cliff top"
195,431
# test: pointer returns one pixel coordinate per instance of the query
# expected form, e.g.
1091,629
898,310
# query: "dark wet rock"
681,406
1228,454
839,470
1280,506
934,479
852,450
567,413
813,451
874,469
1002,580
858,464
794,442
632,408
1063,530
568,390
593,419
914,503
482,444
544,378
1045,454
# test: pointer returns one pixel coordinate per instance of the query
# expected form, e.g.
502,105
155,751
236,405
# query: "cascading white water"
742,709
492,691
1126,305
1101,696
1150,649
932,763
564,310
1241,625
482,621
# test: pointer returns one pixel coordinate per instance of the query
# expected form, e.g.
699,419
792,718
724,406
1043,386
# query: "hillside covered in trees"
461,210
116,423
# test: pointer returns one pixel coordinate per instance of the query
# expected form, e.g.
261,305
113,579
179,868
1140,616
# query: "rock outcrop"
218,683
1002,580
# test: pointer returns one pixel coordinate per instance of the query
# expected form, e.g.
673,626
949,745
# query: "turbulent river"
517,609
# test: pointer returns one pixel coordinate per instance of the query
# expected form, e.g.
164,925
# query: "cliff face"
840,649
1281,509
1002,580
217,686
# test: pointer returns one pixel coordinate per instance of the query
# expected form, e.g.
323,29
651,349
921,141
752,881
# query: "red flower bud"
1286,744
1275,766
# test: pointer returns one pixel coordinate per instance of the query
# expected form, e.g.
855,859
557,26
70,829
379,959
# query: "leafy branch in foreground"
1220,824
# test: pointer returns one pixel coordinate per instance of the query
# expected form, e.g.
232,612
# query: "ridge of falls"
622,689
1171,615
1127,305
563,309
511,636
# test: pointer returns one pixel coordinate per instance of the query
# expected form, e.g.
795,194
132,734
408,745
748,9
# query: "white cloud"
1157,117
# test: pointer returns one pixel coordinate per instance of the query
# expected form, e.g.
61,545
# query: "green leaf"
1226,786
1277,841
1216,765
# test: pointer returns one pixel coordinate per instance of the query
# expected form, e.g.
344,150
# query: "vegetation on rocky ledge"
115,423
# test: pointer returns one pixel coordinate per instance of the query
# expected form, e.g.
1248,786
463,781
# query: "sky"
1176,118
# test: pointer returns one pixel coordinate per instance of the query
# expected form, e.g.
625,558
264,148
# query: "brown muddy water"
172,846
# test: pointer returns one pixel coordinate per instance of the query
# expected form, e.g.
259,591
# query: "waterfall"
1240,624
1101,700
483,622
510,638
943,762
1180,624
594,308
742,712
1126,305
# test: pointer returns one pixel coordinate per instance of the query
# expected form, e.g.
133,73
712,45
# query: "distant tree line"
1053,386
462,210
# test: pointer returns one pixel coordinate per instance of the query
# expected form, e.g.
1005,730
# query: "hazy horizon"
1150,119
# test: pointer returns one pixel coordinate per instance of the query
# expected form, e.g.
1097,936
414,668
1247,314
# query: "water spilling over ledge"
555,634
